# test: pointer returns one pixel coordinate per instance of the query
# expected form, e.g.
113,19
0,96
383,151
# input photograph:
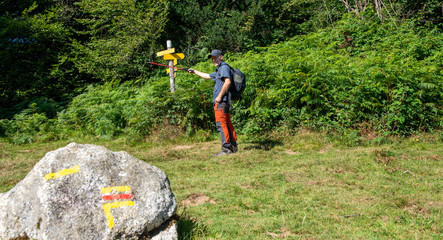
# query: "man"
222,78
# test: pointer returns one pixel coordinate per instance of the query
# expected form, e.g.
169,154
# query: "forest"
355,69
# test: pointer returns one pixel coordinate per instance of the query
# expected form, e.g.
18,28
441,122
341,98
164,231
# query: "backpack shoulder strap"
224,63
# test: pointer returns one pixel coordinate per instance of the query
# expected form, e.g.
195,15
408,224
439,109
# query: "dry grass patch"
195,199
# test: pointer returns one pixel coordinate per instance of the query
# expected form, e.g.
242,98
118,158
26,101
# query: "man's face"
216,60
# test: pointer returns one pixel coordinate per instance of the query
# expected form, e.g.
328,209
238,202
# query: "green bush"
357,72
27,126
111,110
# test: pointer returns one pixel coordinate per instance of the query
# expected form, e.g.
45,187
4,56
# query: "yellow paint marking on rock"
62,172
108,206
118,189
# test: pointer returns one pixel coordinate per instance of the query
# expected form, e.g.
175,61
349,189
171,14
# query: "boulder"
88,192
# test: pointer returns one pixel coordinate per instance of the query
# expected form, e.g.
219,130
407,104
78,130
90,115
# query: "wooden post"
171,68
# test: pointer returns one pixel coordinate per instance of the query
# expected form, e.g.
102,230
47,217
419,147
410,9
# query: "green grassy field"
302,187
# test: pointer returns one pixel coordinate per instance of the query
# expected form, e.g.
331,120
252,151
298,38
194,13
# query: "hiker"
222,78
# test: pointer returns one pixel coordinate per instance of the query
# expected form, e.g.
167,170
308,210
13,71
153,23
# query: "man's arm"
224,89
200,74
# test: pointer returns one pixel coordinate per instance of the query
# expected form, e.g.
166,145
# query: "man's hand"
218,99
190,70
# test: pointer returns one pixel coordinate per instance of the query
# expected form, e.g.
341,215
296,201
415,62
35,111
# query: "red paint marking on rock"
118,196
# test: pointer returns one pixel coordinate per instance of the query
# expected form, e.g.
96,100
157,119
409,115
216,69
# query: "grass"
302,187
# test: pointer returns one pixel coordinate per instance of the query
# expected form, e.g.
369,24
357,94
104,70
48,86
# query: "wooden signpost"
172,56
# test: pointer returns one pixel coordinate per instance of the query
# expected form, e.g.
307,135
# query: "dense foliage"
80,67
54,49
357,78
358,75
118,33
29,46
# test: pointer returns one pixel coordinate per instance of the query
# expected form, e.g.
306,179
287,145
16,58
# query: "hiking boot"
224,151
234,149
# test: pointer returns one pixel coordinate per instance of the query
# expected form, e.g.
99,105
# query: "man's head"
216,56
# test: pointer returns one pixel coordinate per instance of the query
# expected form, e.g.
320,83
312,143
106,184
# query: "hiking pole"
163,65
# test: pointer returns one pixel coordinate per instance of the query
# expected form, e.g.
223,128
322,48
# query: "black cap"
215,53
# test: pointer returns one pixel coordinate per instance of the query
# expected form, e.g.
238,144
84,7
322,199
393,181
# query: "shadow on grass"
265,144
189,227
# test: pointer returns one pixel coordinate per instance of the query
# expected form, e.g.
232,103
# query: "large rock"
88,192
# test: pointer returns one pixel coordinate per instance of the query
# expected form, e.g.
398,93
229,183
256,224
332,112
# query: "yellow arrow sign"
172,50
173,56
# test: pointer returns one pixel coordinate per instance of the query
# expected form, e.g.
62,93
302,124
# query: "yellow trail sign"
172,50
173,56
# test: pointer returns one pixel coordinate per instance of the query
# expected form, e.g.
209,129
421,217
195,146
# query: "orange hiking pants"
224,124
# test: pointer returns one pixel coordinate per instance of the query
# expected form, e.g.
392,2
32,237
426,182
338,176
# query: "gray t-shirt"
223,71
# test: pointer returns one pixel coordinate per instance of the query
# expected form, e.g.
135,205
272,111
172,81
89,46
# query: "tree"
16,7
115,35
29,44
429,10
234,26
